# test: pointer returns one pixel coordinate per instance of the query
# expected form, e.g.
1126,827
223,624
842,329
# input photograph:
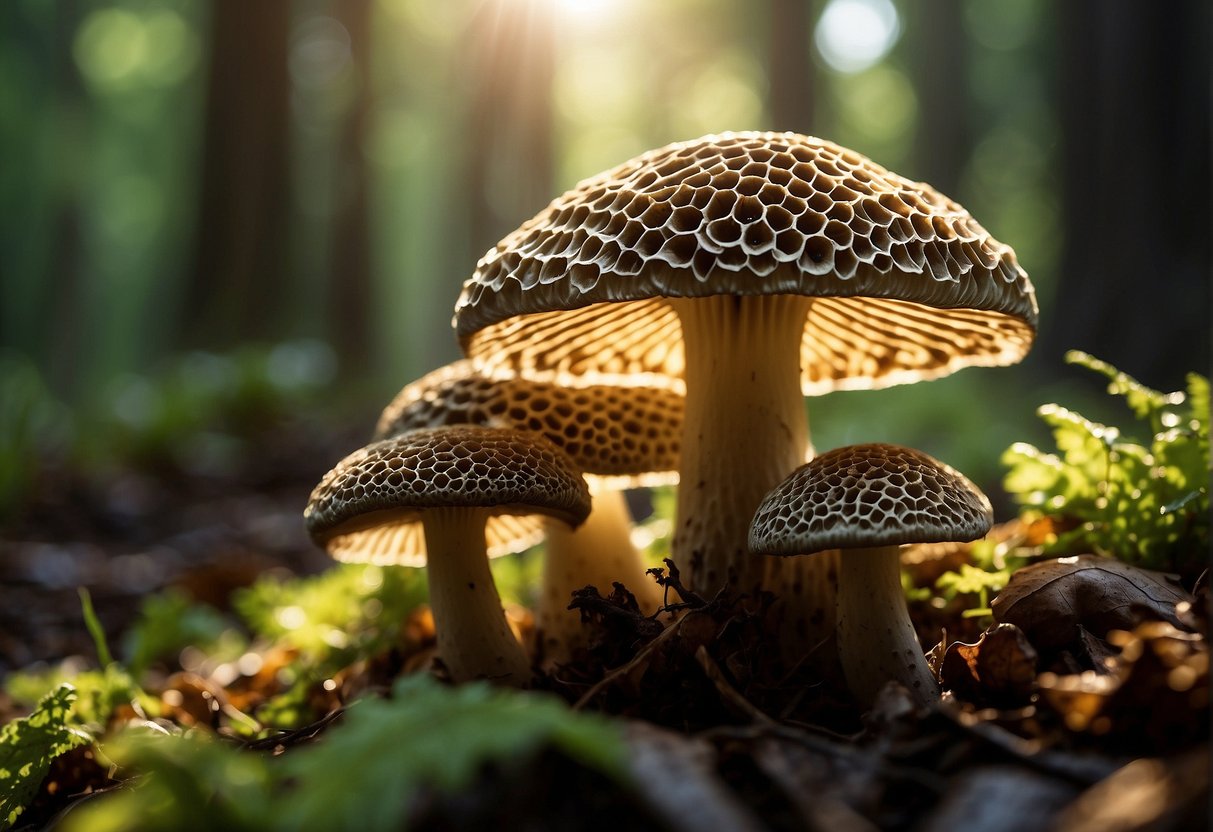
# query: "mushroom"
618,437
450,482
755,268
868,500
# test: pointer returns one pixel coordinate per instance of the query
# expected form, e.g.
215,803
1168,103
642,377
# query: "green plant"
1143,501
365,775
169,621
28,745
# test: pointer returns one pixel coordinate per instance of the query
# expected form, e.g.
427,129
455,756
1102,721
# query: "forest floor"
1095,730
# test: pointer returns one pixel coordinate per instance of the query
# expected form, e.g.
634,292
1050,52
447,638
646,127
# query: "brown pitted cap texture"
907,284
369,507
626,436
868,495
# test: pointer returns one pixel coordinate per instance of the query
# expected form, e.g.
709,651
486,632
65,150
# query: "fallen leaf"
1049,601
1000,669
1152,700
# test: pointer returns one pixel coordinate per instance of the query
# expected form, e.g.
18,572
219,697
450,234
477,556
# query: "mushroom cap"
908,285
369,507
624,437
863,496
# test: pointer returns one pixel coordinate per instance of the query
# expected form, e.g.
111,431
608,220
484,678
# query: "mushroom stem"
596,553
474,639
876,641
745,428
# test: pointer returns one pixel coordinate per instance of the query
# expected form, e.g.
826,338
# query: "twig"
729,693
288,738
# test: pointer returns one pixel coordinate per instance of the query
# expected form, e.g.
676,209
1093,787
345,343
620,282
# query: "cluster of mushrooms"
663,322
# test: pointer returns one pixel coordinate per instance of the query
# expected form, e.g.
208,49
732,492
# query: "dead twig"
727,692
286,739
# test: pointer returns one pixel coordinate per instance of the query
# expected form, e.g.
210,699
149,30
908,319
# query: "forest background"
319,176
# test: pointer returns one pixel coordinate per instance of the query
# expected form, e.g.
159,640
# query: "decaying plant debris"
719,734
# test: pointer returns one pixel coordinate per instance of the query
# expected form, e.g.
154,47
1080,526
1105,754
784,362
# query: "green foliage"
1143,501
199,409
518,576
97,692
94,628
438,737
973,580
189,782
28,745
659,528
351,611
364,775
169,621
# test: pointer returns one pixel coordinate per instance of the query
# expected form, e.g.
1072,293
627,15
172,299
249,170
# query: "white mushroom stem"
597,553
474,639
876,640
745,428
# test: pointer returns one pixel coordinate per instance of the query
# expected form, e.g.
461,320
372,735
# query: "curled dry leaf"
1049,601
1000,669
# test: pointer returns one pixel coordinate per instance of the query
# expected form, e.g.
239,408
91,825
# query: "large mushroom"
755,267
868,501
618,437
448,483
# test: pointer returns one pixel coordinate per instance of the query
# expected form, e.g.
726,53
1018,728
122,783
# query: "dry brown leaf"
1049,601
999,669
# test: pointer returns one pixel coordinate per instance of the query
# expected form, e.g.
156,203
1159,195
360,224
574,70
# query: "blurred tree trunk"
509,151
790,71
944,139
1134,282
67,327
239,275
350,290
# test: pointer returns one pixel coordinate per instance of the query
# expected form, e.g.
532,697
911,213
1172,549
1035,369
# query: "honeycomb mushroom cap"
626,437
907,285
370,505
864,496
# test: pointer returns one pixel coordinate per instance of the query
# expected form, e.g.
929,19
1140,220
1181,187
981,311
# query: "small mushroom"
618,436
450,482
869,500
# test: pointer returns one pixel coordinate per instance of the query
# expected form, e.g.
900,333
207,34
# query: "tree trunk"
350,291
240,269
1134,105
944,140
790,67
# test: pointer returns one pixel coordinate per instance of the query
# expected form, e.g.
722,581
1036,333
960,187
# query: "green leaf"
1145,503
27,747
1198,401
93,624
186,782
1183,502
366,773
969,580
1142,400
